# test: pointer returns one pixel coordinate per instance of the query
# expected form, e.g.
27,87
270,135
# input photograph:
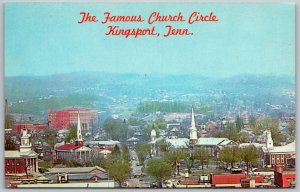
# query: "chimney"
279,168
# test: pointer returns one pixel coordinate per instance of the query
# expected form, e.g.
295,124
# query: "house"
24,161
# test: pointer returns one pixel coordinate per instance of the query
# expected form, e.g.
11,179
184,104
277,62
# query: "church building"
74,151
274,155
23,162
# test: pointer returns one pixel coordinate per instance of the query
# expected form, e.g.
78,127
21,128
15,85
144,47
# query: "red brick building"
24,161
63,119
274,155
284,178
17,128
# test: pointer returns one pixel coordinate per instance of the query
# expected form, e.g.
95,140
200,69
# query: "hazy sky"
43,39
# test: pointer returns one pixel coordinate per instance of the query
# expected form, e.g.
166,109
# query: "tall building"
63,119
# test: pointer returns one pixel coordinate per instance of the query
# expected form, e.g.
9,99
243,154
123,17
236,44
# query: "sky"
45,39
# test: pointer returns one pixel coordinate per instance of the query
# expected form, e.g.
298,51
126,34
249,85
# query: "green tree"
119,171
45,164
174,157
249,155
9,121
159,124
163,146
159,169
125,153
267,123
231,132
291,127
239,123
116,151
252,121
142,151
201,155
243,137
72,134
116,128
230,155
50,137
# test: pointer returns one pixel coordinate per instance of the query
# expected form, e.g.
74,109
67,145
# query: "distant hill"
101,89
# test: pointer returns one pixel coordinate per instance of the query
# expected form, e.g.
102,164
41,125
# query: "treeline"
168,106
154,106
42,105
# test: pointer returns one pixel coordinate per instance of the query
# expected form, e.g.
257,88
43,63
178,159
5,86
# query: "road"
136,169
136,172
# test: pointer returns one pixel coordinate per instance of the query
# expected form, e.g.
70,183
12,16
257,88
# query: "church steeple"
193,129
79,140
269,143
25,141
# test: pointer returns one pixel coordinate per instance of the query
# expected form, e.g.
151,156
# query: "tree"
252,121
249,155
142,151
202,155
50,137
173,157
159,124
159,169
291,127
125,153
230,155
9,143
116,128
163,146
72,134
267,123
239,123
119,171
243,137
116,151
9,121
231,132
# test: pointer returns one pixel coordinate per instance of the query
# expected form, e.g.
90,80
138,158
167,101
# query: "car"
169,183
153,185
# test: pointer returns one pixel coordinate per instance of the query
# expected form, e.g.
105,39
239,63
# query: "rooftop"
18,154
289,148
75,170
179,142
210,141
